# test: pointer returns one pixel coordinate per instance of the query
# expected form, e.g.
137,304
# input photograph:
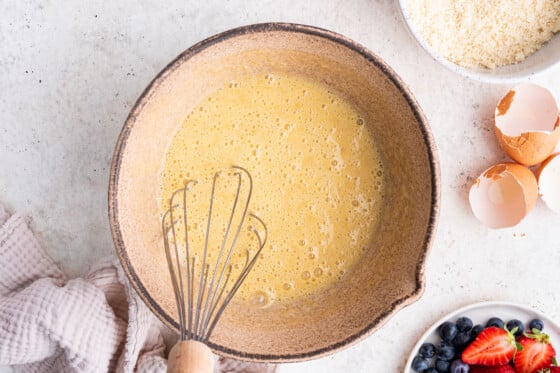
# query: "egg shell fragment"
527,124
503,195
548,178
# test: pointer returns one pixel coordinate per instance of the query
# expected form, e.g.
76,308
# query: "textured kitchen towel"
94,324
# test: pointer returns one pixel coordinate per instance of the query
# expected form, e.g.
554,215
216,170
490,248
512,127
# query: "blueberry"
445,351
513,324
457,366
420,364
536,324
443,366
448,331
464,324
495,321
461,340
475,331
427,350
431,370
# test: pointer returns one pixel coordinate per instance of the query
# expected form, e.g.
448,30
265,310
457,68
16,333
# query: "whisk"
203,291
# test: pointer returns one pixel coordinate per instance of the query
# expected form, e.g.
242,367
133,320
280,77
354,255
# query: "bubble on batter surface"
261,298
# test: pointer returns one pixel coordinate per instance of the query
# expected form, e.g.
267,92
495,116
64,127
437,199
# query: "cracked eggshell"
548,178
503,195
527,124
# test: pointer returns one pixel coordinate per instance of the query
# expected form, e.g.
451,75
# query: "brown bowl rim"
432,156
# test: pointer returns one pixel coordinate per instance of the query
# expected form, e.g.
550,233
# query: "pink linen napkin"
92,324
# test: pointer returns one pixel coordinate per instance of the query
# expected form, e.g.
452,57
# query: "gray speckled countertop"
72,70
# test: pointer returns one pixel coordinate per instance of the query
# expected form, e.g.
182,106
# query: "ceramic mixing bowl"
391,273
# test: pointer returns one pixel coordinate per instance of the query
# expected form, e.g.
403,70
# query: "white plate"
479,313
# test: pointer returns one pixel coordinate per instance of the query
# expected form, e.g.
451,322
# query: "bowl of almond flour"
488,40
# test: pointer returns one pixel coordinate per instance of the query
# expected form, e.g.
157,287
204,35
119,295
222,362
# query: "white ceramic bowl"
479,313
545,58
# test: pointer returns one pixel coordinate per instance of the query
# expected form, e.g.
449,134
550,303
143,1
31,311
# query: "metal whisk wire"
198,317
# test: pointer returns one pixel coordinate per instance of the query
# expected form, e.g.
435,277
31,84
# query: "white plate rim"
551,327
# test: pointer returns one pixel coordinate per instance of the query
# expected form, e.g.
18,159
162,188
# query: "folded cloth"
92,324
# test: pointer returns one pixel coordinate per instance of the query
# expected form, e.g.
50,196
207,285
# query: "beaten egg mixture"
317,174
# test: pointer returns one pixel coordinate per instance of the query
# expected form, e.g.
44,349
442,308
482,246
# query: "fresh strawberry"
492,369
536,353
493,346
551,369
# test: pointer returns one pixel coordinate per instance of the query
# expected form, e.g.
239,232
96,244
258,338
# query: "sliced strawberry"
536,353
492,369
493,346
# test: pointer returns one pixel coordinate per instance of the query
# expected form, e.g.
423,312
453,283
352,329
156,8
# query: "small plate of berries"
488,337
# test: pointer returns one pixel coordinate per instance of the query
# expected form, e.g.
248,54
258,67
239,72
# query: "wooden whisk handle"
190,357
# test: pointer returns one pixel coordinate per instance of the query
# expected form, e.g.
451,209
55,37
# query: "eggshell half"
527,124
503,195
549,182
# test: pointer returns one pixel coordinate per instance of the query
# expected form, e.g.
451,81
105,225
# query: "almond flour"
485,33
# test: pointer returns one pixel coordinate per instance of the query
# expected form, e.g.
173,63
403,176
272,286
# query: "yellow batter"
318,178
